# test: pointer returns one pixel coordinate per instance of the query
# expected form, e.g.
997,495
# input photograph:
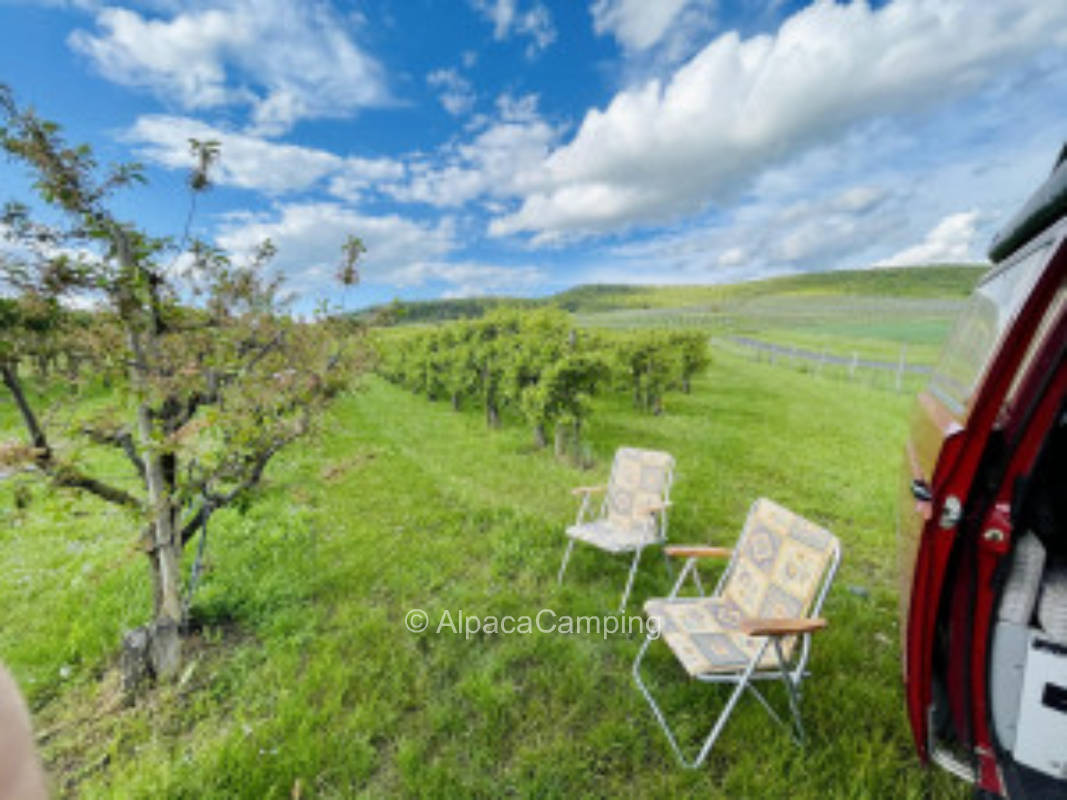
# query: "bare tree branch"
61,474
69,476
214,501
122,439
37,437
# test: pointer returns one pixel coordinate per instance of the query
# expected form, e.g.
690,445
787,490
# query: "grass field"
302,672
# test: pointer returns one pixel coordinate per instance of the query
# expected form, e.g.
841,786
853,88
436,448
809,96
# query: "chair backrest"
639,479
782,564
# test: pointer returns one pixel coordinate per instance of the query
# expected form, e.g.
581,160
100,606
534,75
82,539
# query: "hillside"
920,281
953,281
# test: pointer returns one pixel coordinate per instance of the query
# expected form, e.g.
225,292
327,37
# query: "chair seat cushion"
614,539
703,634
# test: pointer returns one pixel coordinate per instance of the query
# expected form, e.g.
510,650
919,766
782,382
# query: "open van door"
993,404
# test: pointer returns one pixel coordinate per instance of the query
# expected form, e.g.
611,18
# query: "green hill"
951,281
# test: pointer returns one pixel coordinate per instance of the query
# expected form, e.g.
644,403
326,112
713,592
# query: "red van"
982,525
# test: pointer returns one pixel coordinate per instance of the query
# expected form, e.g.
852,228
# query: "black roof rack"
1045,206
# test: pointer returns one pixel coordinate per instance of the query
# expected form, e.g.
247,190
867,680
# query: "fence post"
900,367
852,366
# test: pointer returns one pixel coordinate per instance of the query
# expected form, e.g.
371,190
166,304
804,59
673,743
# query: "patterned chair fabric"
776,571
639,480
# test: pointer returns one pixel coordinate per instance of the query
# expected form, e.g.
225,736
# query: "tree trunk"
561,440
11,380
539,435
685,384
165,550
455,401
492,415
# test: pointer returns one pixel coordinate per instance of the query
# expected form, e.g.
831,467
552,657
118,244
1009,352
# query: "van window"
981,326
1037,342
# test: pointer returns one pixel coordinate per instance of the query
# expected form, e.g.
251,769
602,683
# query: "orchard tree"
215,376
459,375
692,353
561,397
493,340
646,363
540,341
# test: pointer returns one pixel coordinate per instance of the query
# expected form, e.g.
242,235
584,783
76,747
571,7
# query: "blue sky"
525,146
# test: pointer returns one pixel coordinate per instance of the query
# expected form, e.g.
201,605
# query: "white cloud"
486,165
247,161
801,231
732,257
654,37
358,175
953,240
401,253
286,60
489,164
251,162
858,198
537,24
457,95
471,279
636,24
865,201
662,149
309,238
507,18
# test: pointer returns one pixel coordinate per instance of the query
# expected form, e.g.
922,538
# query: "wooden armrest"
696,551
655,507
780,626
587,489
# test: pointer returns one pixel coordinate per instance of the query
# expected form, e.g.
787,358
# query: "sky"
525,146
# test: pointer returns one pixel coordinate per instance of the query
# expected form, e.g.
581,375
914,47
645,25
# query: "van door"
949,435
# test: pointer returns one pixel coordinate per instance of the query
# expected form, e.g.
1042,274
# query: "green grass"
303,671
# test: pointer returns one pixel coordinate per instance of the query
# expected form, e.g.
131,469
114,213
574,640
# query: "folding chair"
633,514
768,597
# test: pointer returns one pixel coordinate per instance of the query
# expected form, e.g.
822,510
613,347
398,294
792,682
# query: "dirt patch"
79,730
332,473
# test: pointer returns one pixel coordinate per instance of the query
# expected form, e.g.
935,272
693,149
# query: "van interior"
1028,656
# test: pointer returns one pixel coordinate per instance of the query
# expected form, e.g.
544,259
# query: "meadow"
302,681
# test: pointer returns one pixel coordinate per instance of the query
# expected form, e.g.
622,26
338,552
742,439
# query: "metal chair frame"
659,539
790,676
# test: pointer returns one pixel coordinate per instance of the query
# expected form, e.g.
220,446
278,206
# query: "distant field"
872,327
